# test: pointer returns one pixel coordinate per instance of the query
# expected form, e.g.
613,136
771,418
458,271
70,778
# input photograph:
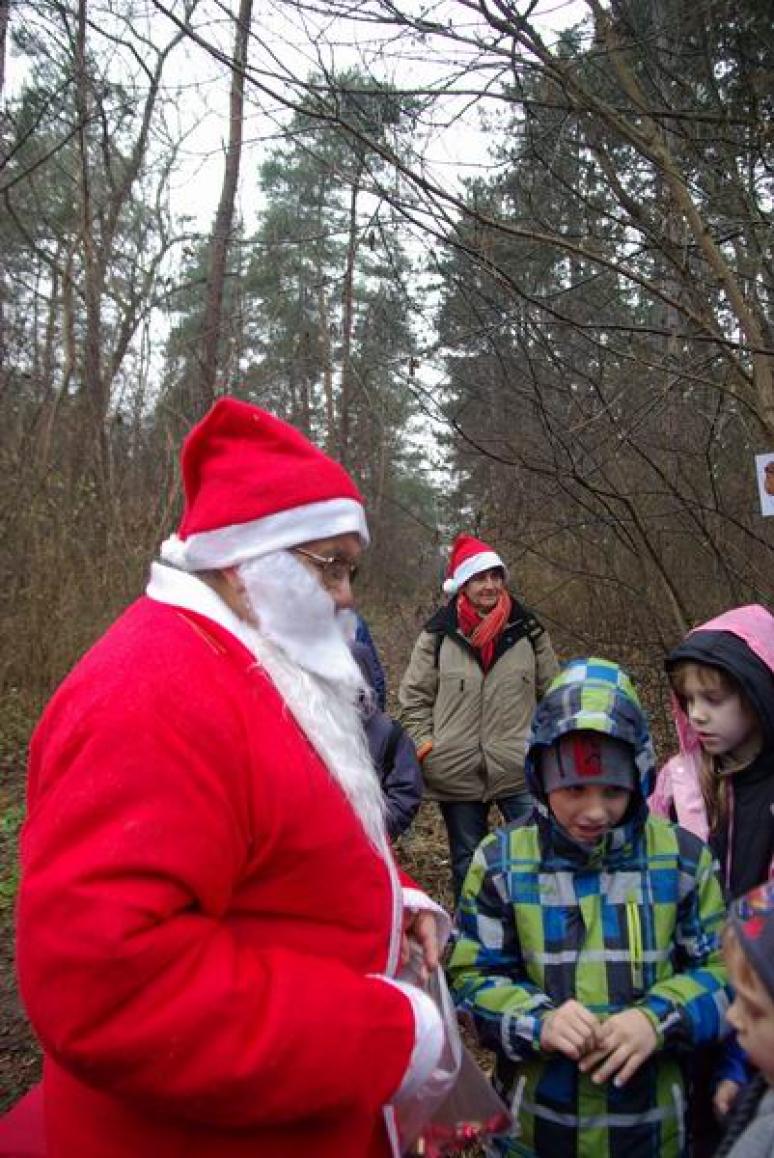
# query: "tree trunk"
205,391
92,387
326,358
348,315
5,14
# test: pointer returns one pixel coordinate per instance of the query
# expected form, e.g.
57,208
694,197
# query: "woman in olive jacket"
468,694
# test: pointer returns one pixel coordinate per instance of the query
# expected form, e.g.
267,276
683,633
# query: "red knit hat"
253,485
469,557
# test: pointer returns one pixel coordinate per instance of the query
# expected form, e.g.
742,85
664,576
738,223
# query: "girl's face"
752,1011
721,717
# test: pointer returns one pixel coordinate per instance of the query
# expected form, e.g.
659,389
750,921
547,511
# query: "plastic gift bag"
414,1112
471,1113
457,1106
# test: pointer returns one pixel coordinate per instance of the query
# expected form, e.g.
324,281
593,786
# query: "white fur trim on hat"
474,565
229,546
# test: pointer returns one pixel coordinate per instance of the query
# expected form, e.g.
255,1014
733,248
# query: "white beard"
300,641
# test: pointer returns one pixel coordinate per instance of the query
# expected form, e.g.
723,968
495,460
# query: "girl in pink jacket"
720,785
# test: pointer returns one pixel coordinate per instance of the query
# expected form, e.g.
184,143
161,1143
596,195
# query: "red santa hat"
469,557
253,484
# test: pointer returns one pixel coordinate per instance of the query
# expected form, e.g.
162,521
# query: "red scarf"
483,632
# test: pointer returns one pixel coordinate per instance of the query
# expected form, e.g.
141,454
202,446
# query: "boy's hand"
571,1029
725,1096
626,1040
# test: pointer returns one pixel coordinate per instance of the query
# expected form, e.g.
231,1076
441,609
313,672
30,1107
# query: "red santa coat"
200,913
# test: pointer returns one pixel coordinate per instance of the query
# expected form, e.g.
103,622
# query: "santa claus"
210,920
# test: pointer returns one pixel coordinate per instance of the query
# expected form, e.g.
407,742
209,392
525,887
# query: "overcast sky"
283,39
291,43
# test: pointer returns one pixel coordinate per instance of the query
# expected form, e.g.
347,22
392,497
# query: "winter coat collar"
613,852
186,591
443,622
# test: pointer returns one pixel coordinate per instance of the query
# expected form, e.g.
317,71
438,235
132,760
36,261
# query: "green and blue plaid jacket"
635,921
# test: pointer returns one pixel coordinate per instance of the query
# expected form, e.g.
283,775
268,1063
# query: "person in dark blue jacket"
376,676
392,751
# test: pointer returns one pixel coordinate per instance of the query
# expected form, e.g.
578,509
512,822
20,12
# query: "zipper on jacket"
634,929
731,836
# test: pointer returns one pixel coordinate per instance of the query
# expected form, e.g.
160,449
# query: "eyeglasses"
333,568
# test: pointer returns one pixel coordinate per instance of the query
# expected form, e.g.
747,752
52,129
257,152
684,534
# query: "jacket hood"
740,643
593,695
365,661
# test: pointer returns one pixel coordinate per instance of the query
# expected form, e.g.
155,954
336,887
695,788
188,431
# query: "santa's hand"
571,1029
626,1040
420,926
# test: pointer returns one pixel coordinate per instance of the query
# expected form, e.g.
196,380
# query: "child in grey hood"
749,951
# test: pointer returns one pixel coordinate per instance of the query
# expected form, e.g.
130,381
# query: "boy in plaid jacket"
589,954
